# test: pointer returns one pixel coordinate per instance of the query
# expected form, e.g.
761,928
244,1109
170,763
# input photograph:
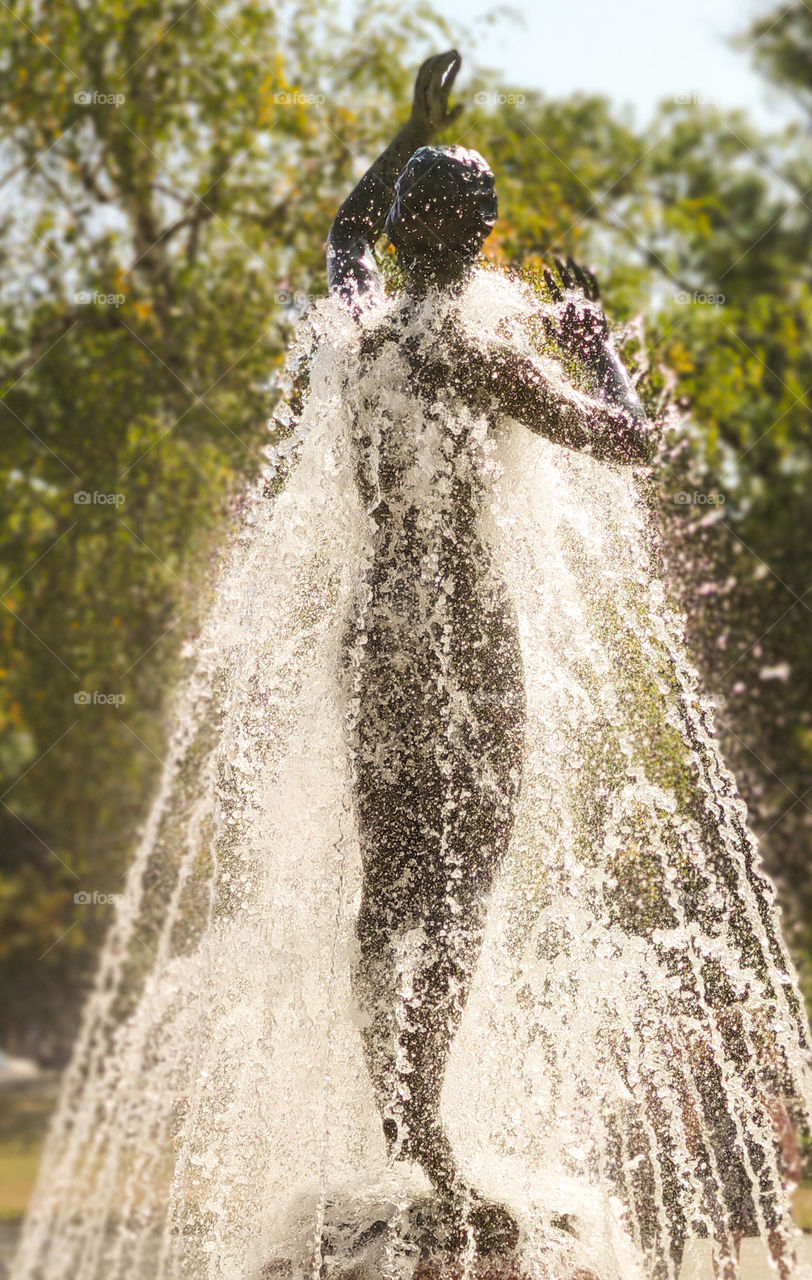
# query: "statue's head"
444,210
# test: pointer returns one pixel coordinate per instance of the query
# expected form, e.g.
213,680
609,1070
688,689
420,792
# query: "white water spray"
634,1004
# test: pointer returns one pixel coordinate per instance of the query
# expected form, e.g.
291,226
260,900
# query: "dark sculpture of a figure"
435,806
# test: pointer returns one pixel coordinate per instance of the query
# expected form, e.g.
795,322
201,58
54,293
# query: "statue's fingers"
454,62
423,78
579,276
455,112
553,286
435,85
550,331
443,75
429,76
575,273
563,271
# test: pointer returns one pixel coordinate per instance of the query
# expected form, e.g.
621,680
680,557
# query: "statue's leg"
420,932
406,970
431,845
412,980
436,779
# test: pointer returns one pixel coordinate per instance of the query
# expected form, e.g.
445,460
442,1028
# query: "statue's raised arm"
351,268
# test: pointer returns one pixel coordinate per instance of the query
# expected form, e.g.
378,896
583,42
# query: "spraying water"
634,1010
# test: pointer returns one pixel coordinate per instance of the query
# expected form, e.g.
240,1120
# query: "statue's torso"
434,641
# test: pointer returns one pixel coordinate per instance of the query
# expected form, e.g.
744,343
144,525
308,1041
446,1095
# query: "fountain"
633,1015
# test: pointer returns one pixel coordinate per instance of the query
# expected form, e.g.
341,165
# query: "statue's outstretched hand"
578,323
435,79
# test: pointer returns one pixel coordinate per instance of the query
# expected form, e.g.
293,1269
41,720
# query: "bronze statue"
435,629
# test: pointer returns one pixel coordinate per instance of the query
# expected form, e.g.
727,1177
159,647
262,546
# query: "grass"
24,1114
18,1171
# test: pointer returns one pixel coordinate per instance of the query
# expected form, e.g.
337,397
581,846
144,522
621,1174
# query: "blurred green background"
168,176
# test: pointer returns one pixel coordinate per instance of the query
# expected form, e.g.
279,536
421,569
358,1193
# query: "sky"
636,51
